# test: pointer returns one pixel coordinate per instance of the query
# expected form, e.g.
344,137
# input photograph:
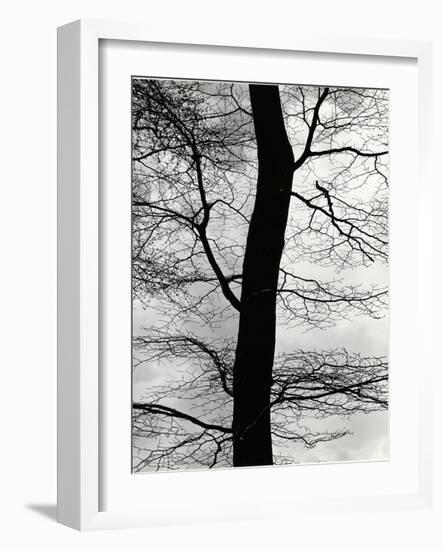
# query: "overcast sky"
370,432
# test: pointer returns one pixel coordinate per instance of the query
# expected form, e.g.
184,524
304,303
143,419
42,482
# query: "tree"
245,200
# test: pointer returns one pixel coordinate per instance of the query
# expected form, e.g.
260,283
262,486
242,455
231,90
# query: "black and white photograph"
259,274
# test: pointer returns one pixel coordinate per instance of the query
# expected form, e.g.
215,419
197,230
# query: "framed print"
237,232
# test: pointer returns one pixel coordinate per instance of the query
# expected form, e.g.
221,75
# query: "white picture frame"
79,366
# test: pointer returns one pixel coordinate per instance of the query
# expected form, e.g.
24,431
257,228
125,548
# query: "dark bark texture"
265,242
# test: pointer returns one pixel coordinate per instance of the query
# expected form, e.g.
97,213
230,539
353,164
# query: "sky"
369,439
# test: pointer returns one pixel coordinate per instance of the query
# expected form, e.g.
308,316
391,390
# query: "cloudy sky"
369,439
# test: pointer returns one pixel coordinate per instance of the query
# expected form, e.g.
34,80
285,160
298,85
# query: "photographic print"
259,274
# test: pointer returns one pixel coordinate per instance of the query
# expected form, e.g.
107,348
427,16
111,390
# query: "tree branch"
346,150
150,408
312,127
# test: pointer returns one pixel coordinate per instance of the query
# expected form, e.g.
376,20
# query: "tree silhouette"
251,207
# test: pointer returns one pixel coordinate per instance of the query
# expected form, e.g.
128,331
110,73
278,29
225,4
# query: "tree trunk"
256,336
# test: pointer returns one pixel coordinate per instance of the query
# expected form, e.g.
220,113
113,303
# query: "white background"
28,299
